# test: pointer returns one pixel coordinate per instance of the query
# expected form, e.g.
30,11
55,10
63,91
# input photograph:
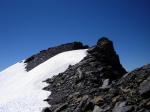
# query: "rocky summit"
99,83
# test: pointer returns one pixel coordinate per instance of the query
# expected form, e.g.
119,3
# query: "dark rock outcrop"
44,55
99,83
85,86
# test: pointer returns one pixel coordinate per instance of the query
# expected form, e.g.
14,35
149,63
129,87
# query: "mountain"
75,78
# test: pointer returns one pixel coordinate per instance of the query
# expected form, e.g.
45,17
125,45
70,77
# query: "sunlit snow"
21,91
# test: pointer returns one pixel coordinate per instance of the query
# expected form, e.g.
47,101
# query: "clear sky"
27,26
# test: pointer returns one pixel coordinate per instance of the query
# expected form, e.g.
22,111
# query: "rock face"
131,92
89,86
44,55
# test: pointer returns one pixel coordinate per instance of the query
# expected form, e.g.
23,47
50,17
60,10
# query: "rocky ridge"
85,87
44,55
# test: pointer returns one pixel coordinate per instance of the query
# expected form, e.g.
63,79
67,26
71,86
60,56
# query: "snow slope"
21,91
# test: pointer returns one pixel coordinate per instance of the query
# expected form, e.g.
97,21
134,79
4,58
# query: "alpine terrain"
74,77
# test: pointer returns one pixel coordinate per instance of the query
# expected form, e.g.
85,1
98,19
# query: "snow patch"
21,91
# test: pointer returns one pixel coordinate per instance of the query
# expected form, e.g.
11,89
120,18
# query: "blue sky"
27,26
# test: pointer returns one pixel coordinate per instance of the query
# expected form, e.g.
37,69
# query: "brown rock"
98,100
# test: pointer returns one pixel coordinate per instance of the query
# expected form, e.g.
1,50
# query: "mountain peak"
105,53
97,71
104,41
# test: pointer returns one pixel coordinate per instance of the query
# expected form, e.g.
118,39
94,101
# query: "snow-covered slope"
21,91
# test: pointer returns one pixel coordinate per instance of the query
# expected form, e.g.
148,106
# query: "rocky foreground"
98,83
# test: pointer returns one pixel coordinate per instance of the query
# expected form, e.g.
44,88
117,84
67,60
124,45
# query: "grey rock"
144,88
97,109
61,108
121,107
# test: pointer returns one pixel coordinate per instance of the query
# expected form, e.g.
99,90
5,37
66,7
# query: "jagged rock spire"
105,53
104,42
